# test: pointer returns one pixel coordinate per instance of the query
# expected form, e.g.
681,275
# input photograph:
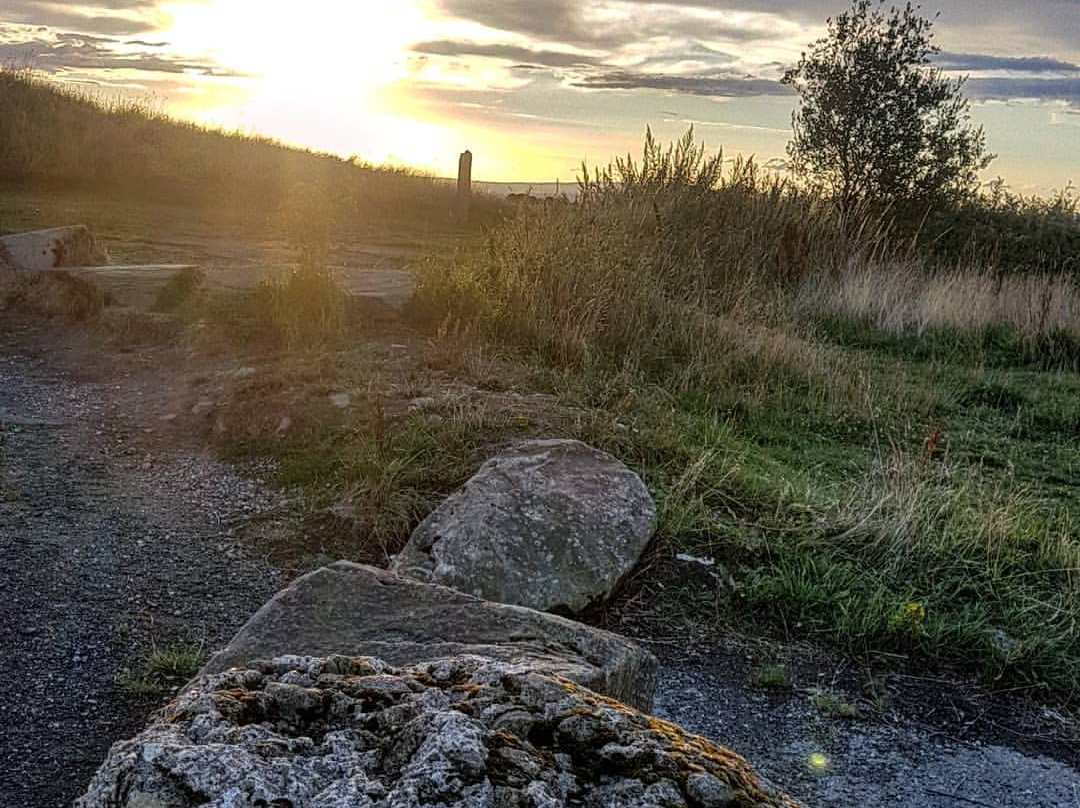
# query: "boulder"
356,610
59,247
464,732
550,524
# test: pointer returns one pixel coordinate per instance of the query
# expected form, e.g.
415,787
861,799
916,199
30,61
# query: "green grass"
846,527
770,677
887,488
163,669
833,704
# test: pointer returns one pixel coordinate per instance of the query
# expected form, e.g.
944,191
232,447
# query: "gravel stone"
101,554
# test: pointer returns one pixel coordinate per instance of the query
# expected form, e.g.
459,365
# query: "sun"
355,47
322,73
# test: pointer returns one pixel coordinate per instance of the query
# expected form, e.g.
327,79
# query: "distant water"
541,189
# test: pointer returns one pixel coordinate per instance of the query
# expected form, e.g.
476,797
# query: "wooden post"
464,185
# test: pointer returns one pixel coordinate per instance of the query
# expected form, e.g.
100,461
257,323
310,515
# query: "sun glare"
360,46
320,74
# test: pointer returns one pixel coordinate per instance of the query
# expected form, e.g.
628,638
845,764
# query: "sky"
534,87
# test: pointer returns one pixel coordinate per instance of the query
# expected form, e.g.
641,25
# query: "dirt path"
110,545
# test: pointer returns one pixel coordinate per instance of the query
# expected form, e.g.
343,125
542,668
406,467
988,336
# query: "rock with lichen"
356,610
463,732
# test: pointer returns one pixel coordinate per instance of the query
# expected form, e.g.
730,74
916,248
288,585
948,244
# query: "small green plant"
770,677
833,704
176,662
141,687
163,669
909,619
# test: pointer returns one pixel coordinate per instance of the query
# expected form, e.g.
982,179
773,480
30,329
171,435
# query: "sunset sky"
533,87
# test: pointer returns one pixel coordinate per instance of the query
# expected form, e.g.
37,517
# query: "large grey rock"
355,610
551,524
59,247
465,732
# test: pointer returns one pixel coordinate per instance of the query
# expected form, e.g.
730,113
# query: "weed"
770,677
305,307
174,662
180,289
833,704
141,687
164,668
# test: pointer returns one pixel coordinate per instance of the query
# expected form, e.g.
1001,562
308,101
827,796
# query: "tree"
877,121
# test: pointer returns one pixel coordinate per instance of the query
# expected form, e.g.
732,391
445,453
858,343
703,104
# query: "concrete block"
59,247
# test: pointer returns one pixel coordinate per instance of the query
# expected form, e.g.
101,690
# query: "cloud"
513,53
1039,89
709,84
109,17
1018,64
549,20
53,51
615,24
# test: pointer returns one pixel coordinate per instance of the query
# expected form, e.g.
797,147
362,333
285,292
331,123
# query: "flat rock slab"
357,610
136,285
464,732
392,286
549,524
58,247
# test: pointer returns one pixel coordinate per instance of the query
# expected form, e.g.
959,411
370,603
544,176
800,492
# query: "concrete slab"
57,247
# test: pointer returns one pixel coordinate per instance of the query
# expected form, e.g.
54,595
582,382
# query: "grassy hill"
57,139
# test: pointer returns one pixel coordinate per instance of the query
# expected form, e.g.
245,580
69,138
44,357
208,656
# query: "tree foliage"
877,121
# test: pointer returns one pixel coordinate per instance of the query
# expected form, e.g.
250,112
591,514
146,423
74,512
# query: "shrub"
306,307
180,289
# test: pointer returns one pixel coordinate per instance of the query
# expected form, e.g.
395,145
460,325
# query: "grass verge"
868,489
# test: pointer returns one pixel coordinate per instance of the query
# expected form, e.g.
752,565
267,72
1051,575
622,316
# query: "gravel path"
105,549
842,763
113,538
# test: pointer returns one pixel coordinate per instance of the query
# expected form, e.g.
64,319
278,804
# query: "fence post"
464,185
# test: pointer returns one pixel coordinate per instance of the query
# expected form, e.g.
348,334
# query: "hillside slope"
52,137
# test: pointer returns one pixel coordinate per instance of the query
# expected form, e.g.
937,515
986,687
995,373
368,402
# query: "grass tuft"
833,704
165,668
770,677
305,307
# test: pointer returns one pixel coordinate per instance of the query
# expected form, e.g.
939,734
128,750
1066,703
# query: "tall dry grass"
904,297
674,266
306,307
